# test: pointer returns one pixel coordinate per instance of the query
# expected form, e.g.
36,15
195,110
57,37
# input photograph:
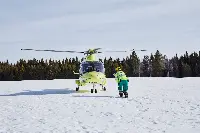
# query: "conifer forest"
154,65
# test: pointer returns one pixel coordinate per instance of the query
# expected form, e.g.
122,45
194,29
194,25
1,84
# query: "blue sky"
171,26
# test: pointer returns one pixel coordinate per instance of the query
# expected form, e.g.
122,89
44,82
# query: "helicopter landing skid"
94,89
103,88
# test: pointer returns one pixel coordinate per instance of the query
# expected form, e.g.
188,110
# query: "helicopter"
91,71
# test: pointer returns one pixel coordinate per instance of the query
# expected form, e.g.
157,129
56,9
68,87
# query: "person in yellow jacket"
122,81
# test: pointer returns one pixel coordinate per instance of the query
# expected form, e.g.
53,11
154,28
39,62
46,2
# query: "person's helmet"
118,69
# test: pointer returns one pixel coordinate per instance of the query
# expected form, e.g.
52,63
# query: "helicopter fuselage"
91,78
92,72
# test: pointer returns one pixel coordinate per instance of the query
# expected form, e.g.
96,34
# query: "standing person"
122,81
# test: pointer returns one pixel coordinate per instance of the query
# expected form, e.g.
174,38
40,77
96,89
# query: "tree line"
154,65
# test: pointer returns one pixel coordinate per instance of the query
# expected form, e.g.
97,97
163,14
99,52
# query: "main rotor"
87,52
90,54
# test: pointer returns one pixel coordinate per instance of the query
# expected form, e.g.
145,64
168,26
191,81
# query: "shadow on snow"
43,92
93,96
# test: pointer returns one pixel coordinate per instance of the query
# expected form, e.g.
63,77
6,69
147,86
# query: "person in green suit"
122,81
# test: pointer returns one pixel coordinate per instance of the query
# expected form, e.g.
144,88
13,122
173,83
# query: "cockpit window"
92,66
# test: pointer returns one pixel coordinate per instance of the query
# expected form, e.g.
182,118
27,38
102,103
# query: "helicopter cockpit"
92,66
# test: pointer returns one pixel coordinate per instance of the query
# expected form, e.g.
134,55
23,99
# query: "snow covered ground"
155,105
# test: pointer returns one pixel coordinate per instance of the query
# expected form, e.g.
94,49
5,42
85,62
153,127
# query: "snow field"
155,105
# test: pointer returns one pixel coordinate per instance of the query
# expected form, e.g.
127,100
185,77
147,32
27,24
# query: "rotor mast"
91,57
90,54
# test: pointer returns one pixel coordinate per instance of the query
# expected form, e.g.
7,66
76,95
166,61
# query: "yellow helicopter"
91,70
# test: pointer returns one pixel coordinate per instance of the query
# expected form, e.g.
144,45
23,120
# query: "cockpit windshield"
92,66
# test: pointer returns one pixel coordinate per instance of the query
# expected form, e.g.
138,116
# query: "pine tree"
146,66
134,64
186,70
157,65
180,68
193,63
166,64
198,65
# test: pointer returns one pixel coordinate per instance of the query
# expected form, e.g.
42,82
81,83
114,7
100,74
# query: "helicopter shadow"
43,92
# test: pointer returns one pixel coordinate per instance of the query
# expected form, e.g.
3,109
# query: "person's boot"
120,93
126,94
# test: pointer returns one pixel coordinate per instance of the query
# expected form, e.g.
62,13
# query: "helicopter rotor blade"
97,49
115,51
139,50
126,51
52,50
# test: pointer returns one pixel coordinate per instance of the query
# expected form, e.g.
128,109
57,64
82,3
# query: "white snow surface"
155,105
